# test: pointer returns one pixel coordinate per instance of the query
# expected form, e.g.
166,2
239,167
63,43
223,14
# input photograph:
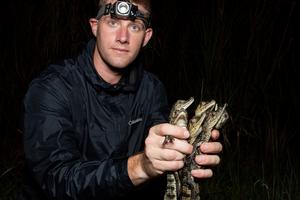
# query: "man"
94,125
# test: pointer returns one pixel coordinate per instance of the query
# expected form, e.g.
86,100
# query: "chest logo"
131,122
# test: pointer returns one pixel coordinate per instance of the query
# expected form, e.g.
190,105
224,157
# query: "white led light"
123,8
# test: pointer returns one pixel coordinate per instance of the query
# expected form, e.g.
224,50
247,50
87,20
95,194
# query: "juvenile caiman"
208,116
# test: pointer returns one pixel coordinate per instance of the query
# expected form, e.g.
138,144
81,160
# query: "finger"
179,145
207,160
169,129
162,165
167,155
211,147
202,173
215,134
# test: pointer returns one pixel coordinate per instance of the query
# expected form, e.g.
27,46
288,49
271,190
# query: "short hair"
145,3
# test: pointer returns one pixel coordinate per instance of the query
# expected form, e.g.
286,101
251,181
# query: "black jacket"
79,130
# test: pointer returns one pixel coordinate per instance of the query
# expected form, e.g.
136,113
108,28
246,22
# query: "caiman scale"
208,116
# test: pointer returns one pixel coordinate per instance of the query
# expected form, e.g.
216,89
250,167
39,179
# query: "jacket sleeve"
52,153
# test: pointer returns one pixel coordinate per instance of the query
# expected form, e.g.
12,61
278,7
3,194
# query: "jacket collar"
129,81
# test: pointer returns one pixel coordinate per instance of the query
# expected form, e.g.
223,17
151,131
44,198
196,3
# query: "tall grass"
242,54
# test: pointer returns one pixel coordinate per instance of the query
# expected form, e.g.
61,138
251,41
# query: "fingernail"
186,134
203,146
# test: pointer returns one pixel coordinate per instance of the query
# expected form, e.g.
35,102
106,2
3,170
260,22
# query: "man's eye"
112,23
136,27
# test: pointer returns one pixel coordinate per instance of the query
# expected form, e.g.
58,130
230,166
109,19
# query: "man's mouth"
121,50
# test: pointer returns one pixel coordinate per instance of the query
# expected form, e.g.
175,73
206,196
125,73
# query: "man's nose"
123,34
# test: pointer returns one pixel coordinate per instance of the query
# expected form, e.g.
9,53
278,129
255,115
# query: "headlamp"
123,9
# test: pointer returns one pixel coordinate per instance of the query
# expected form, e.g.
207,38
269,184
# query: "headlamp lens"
123,8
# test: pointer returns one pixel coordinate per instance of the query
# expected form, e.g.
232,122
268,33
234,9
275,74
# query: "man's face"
119,41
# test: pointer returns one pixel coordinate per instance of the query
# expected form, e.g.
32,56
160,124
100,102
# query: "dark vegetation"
239,52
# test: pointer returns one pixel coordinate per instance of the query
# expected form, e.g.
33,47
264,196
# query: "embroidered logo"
131,122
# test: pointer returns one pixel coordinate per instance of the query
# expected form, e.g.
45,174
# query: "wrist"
139,169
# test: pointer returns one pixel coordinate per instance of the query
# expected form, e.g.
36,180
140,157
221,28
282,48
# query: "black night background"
244,53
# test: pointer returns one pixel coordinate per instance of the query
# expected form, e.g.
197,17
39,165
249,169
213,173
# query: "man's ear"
94,26
148,36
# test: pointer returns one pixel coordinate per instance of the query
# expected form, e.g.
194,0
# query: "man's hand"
166,157
159,158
